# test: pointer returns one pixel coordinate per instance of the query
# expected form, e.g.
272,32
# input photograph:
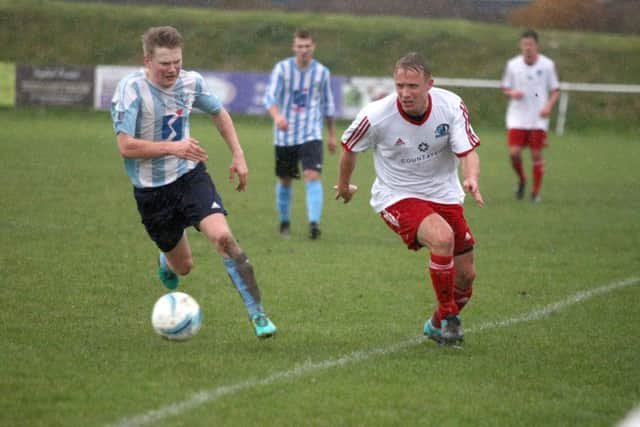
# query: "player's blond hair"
165,36
413,61
303,33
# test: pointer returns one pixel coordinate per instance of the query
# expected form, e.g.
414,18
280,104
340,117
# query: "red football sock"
538,173
516,164
462,296
442,272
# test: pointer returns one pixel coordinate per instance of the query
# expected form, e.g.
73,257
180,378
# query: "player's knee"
311,175
184,267
465,277
443,241
227,245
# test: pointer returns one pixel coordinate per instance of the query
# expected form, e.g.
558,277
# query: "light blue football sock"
241,273
163,262
283,201
314,200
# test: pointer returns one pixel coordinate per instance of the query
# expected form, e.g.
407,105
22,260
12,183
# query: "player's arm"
347,165
513,93
470,166
273,93
279,120
136,148
548,106
227,131
331,128
507,84
125,112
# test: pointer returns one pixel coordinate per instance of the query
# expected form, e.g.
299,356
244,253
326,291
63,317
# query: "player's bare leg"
174,263
240,272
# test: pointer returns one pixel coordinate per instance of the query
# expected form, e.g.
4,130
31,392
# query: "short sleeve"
275,88
328,104
507,77
205,100
463,137
359,135
125,107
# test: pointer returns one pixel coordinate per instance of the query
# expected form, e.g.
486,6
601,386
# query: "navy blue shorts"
287,159
166,211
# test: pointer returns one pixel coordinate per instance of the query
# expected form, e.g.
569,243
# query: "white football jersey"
536,81
414,159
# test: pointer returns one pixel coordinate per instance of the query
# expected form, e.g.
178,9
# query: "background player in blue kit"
150,111
298,99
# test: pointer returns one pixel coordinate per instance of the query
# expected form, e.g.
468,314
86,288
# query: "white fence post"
562,111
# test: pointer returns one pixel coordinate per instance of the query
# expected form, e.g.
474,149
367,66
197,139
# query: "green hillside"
55,32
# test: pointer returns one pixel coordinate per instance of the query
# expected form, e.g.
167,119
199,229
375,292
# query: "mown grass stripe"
210,395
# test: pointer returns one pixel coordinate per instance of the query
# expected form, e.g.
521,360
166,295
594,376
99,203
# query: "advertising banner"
107,79
360,91
243,92
240,92
63,85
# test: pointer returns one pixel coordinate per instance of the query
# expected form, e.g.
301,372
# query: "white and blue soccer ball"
176,316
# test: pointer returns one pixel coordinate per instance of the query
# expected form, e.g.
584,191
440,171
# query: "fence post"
562,112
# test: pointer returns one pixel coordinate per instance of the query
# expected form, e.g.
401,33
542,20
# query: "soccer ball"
176,316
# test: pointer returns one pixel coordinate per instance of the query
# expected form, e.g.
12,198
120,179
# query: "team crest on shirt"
442,130
300,99
172,125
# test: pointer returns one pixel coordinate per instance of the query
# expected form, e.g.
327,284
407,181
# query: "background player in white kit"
531,83
173,191
298,98
419,135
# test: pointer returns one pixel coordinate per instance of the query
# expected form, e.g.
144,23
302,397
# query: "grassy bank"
48,32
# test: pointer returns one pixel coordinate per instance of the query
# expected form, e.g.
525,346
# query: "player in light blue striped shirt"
173,191
298,99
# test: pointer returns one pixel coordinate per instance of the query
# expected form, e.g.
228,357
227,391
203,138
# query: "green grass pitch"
78,285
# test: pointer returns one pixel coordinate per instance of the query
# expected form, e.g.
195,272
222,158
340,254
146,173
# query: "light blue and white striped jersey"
304,97
143,110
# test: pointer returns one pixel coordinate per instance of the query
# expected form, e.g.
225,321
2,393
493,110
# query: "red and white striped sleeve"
356,137
463,137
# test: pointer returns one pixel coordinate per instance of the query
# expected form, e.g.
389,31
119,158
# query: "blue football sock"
314,200
163,262
248,289
283,201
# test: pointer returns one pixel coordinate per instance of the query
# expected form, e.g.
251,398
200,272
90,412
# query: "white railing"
565,88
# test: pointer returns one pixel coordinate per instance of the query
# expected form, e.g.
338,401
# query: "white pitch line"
632,419
210,395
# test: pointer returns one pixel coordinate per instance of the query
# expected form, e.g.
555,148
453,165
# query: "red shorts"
404,218
532,138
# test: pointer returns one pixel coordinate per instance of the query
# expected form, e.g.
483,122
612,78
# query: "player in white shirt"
419,135
298,99
173,191
531,83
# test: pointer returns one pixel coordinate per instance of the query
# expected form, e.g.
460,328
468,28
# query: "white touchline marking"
632,419
210,395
